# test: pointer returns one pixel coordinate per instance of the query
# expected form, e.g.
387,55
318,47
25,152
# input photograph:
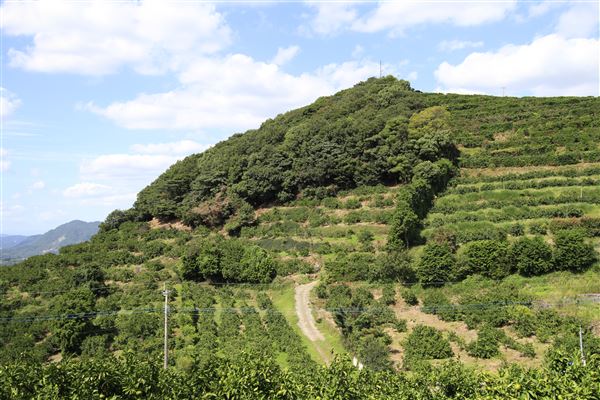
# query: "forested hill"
448,242
369,134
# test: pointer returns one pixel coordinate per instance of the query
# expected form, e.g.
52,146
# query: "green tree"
257,266
571,252
485,257
71,325
405,227
436,265
530,256
431,120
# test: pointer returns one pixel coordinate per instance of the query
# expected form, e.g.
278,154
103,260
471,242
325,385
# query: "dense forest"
452,240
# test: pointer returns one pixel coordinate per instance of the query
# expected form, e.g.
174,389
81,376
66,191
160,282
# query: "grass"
558,286
283,300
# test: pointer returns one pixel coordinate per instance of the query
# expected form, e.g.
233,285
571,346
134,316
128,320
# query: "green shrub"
388,296
436,266
516,230
524,321
392,266
530,256
426,342
352,203
571,252
485,257
321,291
400,325
486,345
154,265
263,301
409,297
435,302
538,228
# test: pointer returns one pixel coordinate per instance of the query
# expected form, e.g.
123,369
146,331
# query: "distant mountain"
21,247
8,241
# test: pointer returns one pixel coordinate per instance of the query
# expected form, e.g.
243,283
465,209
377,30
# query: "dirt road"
305,318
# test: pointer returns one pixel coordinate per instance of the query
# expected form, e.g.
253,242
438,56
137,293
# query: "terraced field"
491,203
315,230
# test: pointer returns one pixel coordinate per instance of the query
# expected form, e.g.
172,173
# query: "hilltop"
431,226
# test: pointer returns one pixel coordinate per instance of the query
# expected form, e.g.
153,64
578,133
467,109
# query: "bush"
352,203
571,252
388,295
530,256
425,342
409,297
516,230
263,301
524,321
321,291
393,266
400,325
537,228
435,302
486,345
437,265
485,257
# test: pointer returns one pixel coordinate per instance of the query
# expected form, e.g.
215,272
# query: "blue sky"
99,97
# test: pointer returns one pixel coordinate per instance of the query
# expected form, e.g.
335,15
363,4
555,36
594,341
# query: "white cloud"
38,185
8,211
4,163
550,65
99,37
86,189
111,181
580,20
400,15
413,76
8,103
125,167
52,215
285,55
216,93
541,8
182,147
332,17
453,45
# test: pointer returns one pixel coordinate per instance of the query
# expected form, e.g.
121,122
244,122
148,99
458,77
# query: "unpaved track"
306,322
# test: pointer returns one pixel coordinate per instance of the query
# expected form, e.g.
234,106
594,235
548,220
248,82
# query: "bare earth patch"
414,316
156,224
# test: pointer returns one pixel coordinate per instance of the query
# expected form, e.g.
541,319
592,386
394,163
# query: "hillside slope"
438,226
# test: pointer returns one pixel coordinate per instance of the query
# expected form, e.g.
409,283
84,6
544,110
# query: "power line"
213,310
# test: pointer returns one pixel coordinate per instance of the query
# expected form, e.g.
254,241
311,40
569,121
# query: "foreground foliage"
251,377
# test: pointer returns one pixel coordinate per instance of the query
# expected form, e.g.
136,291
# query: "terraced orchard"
315,231
493,203
398,227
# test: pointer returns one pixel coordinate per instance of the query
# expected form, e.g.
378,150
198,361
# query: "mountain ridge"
72,232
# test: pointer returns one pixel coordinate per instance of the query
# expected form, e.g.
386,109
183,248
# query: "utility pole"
166,349
581,346
503,89
380,68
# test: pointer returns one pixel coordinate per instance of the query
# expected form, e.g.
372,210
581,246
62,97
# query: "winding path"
306,322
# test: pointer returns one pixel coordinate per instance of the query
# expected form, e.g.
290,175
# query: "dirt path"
306,322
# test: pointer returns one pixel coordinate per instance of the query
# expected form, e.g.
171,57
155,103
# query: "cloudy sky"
97,98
